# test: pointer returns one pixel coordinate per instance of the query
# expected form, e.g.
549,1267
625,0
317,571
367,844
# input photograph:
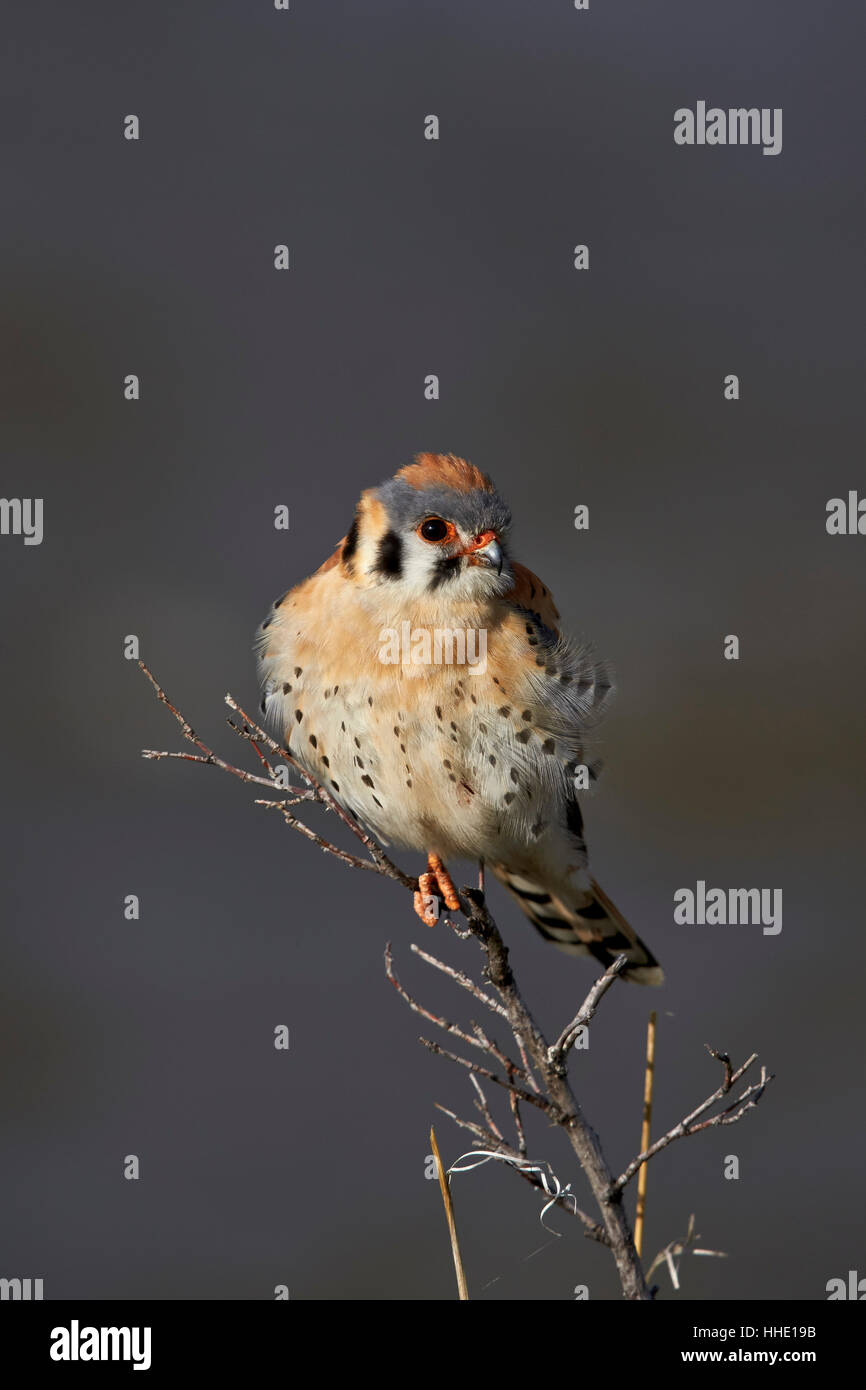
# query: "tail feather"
584,923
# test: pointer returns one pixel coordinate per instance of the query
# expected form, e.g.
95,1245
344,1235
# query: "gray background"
260,388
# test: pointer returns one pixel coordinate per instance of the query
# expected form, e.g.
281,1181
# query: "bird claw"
425,900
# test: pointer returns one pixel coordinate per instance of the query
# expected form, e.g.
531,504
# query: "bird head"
437,529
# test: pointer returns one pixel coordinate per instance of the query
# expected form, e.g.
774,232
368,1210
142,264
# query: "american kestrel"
420,677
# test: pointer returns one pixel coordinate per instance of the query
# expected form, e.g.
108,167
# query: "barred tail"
584,923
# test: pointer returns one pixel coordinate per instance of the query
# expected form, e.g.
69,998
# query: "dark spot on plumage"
299,714
336,688
367,780
350,544
537,828
359,762
282,598
527,714
266,624
402,748
565,680
314,741
370,701
593,912
530,629
453,726
389,556
524,736
496,680
483,728
548,746
263,705
438,711
531,589
286,687
378,802
473,699
408,781
451,777
326,762
508,798
327,694
357,740
540,660
504,710
335,785
471,790
446,762
514,775
491,759
396,731
453,738
533,641
298,671
342,728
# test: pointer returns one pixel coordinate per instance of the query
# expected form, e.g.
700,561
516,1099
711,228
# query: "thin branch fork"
729,1116
586,1011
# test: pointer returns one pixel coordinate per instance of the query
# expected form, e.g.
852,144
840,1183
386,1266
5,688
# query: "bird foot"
436,883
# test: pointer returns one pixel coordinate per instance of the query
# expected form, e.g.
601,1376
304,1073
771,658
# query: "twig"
480,1040
747,1101
586,1011
462,1288
645,1130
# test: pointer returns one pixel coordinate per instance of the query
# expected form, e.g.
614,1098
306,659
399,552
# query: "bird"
481,758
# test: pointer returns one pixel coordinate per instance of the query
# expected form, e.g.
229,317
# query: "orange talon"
425,900
444,882
436,883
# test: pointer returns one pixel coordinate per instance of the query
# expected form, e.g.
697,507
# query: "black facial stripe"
446,567
350,545
389,560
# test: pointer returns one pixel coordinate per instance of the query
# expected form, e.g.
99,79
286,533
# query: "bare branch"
479,1041
586,1011
540,1101
734,1112
461,979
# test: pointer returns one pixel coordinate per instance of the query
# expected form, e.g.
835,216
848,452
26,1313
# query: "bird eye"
435,530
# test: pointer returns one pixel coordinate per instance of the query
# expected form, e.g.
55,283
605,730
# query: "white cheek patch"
419,565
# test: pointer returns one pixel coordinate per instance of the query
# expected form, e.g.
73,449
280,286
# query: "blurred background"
258,388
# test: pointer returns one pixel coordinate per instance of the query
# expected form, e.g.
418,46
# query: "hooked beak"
485,550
